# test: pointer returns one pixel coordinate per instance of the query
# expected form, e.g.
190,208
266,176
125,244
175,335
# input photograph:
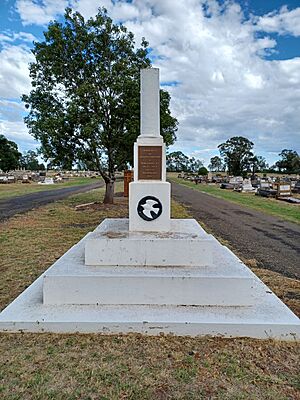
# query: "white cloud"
284,21
226,86
13,36
17,132
14,74
11,110
32,12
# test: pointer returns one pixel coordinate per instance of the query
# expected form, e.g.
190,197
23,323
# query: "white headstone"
247,186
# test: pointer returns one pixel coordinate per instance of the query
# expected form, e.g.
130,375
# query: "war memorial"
150,273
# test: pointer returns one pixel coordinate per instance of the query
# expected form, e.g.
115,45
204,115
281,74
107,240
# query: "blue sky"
232,67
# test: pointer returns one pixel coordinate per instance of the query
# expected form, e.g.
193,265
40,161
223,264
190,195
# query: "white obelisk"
149,194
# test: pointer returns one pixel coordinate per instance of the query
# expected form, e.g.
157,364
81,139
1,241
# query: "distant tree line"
179,162
238,158
11,158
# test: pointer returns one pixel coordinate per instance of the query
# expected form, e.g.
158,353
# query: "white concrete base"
69,281
260,313
271,319
141,189
113,244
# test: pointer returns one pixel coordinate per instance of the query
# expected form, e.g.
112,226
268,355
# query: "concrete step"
113,244
69,281
224,298
270,319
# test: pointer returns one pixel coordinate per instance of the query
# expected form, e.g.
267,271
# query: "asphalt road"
21,204
274,243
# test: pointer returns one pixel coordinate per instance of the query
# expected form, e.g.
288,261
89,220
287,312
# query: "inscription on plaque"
150,162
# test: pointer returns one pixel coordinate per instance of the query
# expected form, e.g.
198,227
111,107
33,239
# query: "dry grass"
287,289
19,189
48,366
138,367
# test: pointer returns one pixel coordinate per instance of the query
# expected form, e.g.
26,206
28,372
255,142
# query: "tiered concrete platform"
217,296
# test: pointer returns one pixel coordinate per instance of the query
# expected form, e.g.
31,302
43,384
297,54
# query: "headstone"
149,193
128,177
47,181
247,186
25,179
235,180
283,189
264,185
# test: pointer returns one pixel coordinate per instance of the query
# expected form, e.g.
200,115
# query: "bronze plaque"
150,162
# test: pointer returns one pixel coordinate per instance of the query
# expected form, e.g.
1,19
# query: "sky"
232,67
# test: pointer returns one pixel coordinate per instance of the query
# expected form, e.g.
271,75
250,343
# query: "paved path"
20,204
274,243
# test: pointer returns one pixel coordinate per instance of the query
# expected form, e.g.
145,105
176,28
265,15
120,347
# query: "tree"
9,154
202,171
194,165
84,105
216,164
236,152
257,163
290,162
177,162
30,161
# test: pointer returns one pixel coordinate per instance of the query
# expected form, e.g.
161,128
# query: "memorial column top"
150,103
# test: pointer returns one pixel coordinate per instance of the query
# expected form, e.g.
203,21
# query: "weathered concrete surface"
266,317
20,204
274,243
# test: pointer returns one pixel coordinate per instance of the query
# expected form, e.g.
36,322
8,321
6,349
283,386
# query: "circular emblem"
149,208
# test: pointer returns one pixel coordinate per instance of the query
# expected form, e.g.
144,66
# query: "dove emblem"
149,208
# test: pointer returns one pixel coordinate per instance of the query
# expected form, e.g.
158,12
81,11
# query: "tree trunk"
109,192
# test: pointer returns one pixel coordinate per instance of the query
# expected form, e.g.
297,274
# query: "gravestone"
128,177
247,186
283,189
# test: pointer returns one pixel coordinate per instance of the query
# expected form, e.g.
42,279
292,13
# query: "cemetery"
149,200
150,274
284,188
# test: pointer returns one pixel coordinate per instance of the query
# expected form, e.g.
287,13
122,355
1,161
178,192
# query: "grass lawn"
19,189
289,212
50,366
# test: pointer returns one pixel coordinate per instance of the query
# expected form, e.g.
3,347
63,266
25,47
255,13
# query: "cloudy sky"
232,67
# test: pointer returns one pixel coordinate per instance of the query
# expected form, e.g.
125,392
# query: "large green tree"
9,154
257,163
290,161
84,105
236,152
215,164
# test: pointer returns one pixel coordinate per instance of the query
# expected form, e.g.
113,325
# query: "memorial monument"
150,273
149,194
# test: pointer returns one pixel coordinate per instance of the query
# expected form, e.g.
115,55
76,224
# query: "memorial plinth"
150,273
